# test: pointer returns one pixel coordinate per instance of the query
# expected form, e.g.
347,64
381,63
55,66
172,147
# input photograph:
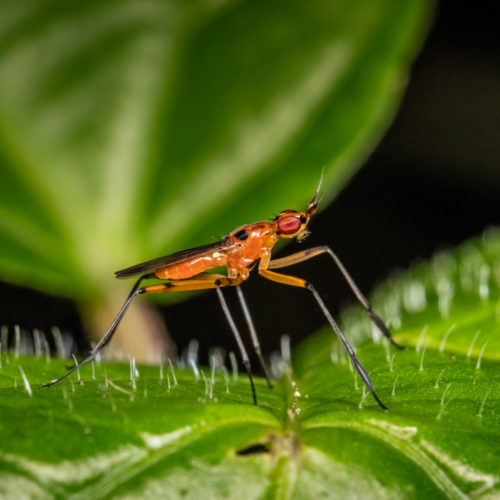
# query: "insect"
239,252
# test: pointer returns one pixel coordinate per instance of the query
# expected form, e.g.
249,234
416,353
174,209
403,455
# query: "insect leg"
138,282
314,252
299,282
237,336
355,361
171,286
104,341
253,334
205,281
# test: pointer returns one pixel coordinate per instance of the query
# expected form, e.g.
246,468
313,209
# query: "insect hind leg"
139,281
103,342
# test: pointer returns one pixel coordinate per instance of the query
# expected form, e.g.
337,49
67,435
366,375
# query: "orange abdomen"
192,267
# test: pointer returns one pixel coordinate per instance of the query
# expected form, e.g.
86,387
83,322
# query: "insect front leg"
310,253
301,283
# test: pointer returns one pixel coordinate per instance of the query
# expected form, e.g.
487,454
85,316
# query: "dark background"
433,182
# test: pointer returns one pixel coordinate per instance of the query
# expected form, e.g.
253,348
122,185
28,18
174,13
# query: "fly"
239,252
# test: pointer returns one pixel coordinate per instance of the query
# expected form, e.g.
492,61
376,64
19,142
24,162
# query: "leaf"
133,129
316,434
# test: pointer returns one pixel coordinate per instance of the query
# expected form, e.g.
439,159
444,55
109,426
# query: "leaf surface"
317,433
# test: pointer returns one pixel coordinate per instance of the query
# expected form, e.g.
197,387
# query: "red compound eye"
289,225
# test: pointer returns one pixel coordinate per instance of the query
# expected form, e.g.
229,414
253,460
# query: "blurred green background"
134,129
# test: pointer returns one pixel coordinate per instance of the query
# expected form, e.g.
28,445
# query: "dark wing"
182,256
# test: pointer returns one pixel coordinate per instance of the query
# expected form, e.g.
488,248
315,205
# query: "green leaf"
131,129
318,433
